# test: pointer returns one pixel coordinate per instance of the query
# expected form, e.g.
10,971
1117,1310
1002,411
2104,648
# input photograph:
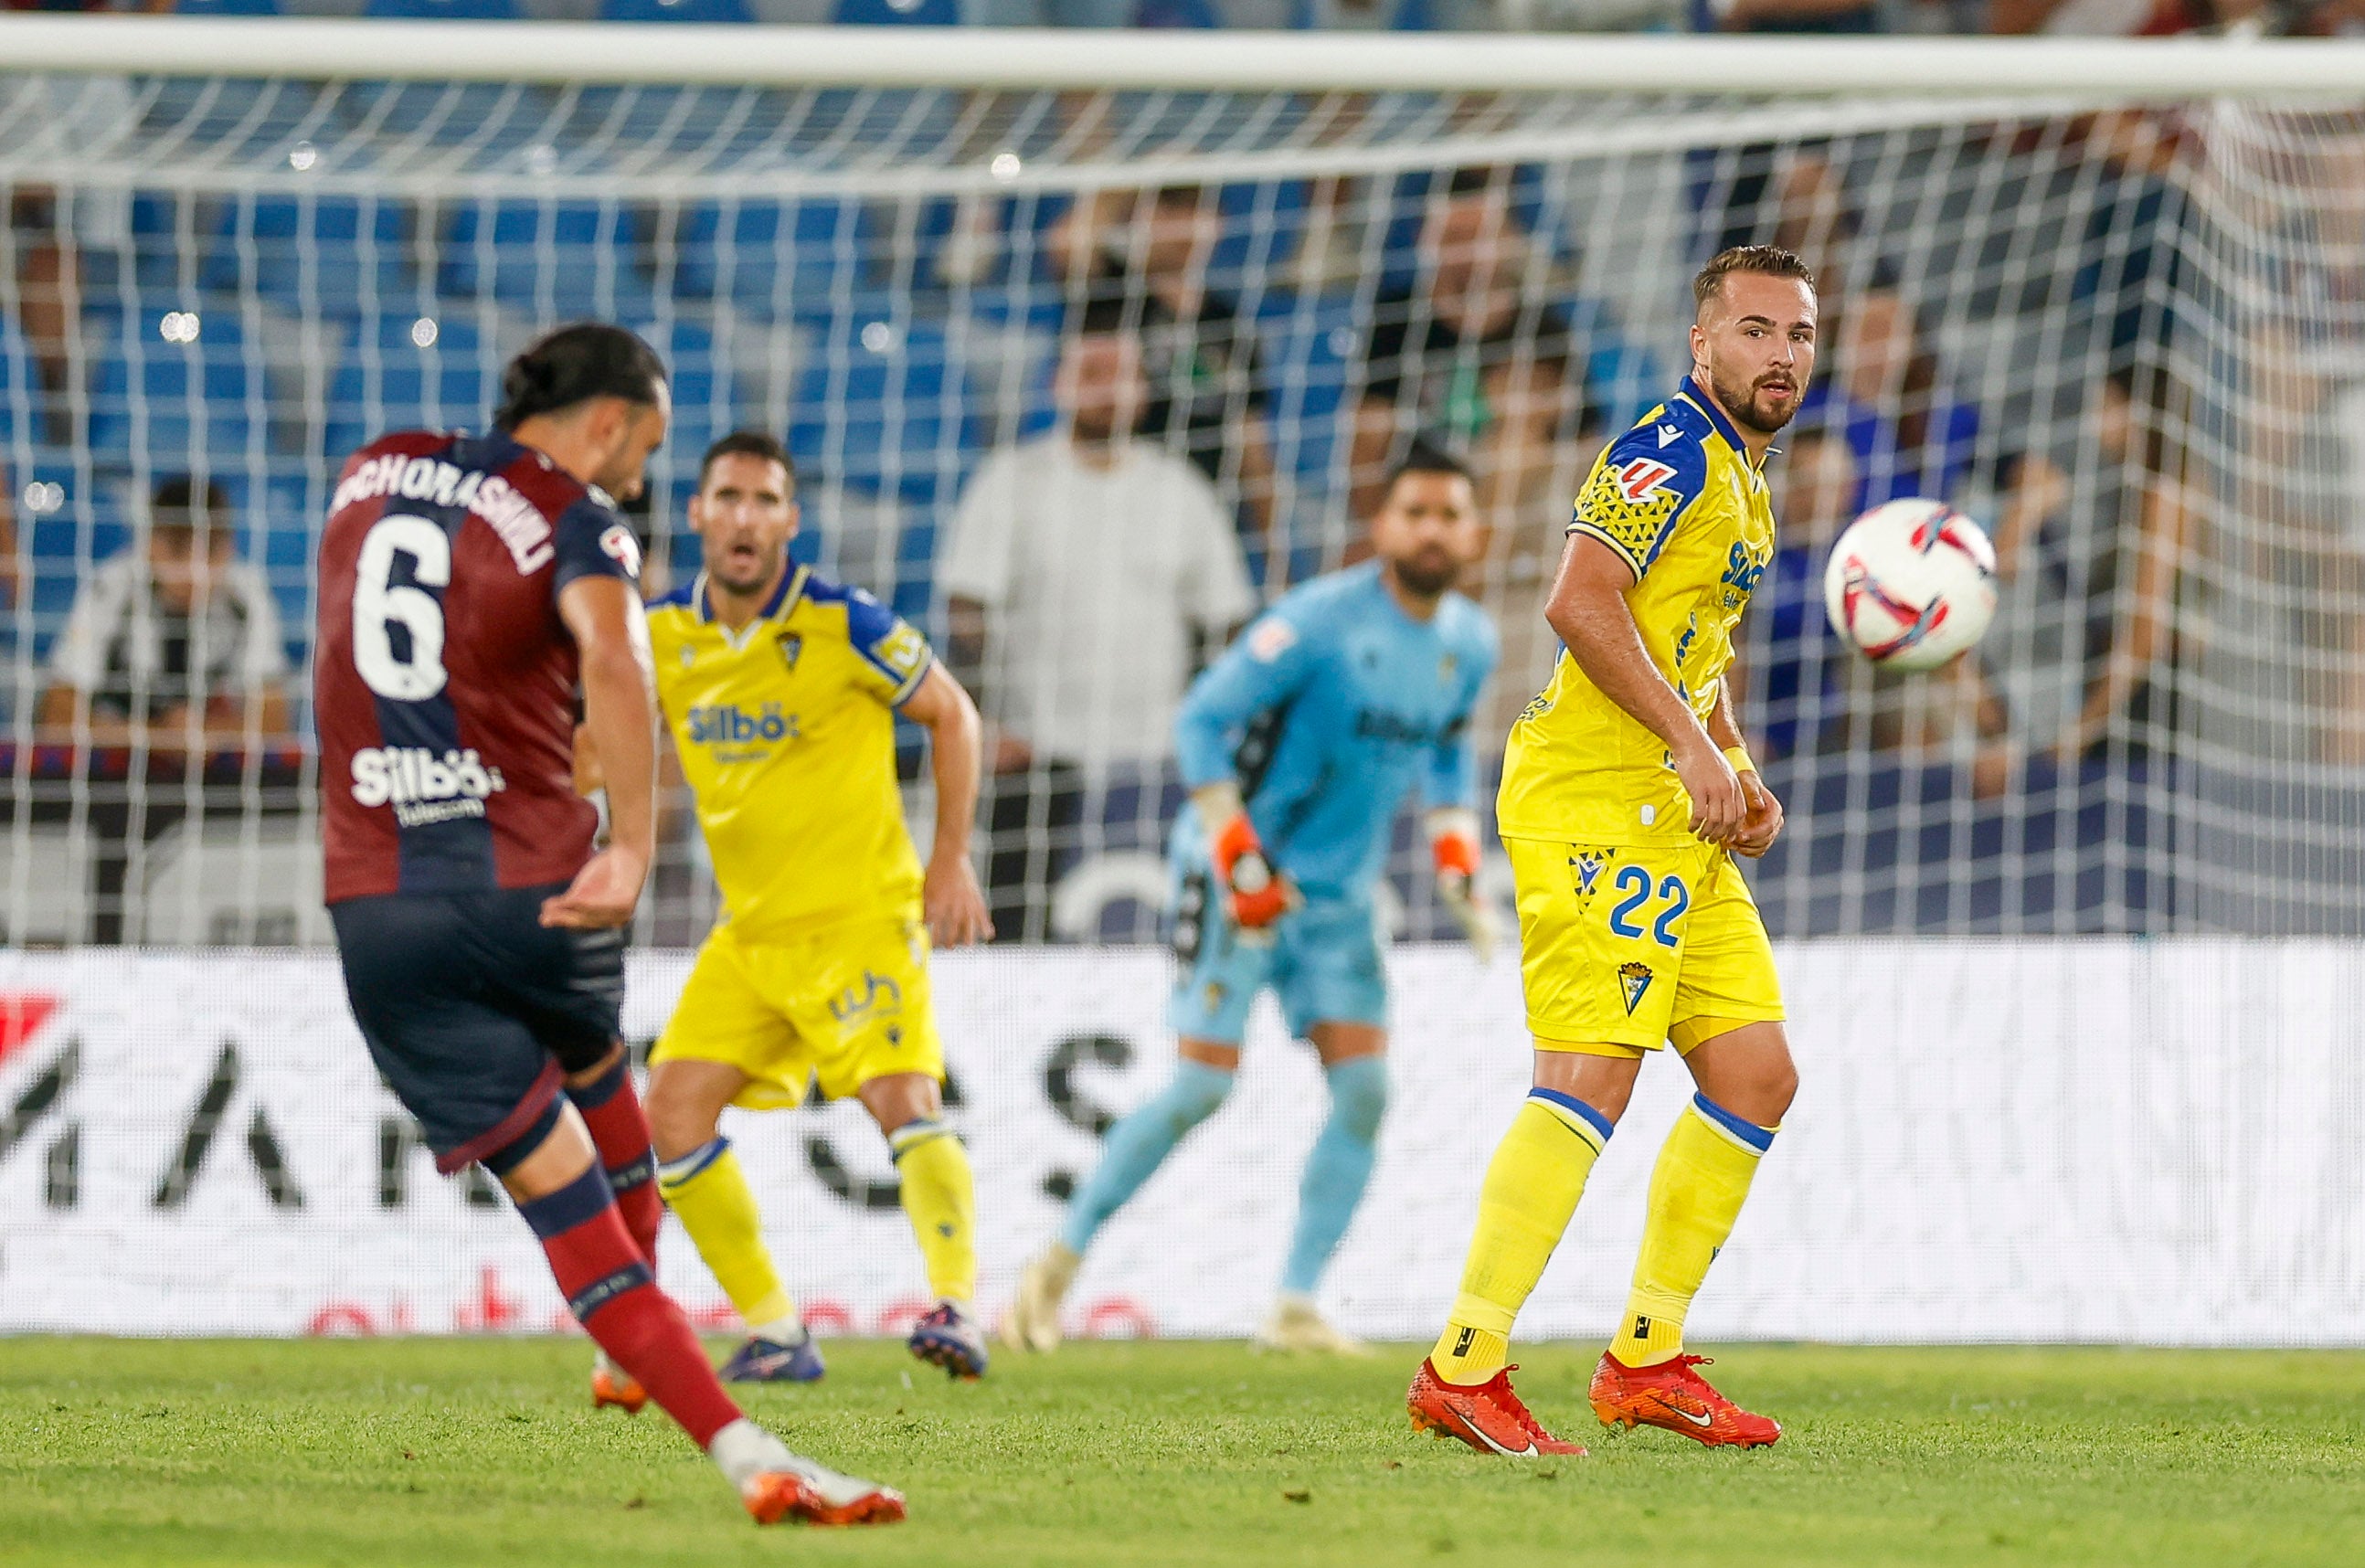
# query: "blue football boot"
769,1361
949,1338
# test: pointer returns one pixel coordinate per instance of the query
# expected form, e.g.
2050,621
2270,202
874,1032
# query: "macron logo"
1668,433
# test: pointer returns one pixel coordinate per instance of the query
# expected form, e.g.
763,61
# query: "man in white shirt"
175,644
1087,572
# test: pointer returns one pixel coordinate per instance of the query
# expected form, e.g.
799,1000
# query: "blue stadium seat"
712,12
387,382
704,404
555,260
796,259
225,8
62,544
179,401
889,14
21,396
446,10
883,408
326,255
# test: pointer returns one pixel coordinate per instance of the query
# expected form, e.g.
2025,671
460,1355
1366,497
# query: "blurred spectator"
173,644
9,568
1086,573
1884,394
1479,357
1792,15
2090,535
1207,397
2123,19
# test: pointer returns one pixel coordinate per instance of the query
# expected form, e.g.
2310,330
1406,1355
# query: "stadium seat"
225,8
62,542
555,260
445,10
328,255
704,400
710,12
21,394
791,259
389,382
890,14
882,409
175,388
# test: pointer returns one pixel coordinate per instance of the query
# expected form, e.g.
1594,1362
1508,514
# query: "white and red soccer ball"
1912,584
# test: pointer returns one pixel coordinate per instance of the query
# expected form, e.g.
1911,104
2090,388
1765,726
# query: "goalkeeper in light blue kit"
1298,746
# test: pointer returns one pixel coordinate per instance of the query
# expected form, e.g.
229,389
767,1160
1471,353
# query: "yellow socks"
1697,1191
940,1200
710,1192
1532,1185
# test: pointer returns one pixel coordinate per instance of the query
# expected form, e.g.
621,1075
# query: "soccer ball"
1912,584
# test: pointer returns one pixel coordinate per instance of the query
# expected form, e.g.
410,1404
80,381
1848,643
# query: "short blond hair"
1771,260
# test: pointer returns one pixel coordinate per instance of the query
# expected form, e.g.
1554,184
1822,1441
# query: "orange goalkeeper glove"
1255,894
1453,847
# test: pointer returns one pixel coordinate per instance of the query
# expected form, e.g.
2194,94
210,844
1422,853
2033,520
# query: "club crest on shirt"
1633,980
792,647
1446,665
1270,638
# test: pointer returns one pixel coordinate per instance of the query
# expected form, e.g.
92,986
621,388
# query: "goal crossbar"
338,48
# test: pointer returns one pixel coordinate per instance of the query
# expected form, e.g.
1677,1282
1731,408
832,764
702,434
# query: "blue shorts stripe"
1749,1132
1592,1117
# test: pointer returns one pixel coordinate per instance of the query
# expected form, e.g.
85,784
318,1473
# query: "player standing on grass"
781,689
1627,790
1298,745
467,584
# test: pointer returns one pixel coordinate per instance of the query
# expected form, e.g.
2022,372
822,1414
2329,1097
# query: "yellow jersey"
1679,500
786,730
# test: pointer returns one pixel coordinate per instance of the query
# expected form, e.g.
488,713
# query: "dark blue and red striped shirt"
444,682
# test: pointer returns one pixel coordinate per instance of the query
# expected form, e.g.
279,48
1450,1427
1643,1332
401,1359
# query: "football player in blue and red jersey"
471,587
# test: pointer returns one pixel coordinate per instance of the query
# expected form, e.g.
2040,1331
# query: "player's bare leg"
940,1200
1746,1081
1338,1169
563,1194
700,1178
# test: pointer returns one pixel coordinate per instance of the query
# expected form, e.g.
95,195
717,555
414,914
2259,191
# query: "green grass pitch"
484,1452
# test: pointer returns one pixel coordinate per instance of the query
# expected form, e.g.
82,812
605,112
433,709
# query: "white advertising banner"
2149,1142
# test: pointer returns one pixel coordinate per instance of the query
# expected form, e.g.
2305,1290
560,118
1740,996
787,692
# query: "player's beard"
1740,402
1426,573
767,567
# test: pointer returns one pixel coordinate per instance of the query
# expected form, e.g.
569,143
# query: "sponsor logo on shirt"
727,723
423,787
1270,638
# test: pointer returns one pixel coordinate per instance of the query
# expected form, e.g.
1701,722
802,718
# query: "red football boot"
1487,1416
1674,1396
615,1387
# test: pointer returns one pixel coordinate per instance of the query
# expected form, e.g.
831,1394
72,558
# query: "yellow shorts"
1624,947
842,1006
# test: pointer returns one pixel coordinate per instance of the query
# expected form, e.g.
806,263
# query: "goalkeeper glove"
1453,846
1255,894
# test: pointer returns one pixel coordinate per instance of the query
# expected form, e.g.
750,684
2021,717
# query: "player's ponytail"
589,359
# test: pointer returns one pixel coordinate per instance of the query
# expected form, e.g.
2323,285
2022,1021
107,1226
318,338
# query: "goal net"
2121,330
2118,319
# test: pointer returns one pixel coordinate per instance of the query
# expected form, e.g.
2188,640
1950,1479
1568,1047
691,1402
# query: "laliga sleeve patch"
620,546
1270,638
1639,479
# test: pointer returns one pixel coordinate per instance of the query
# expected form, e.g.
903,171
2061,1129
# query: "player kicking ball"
1298,745
781,689
467,584
1626,792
